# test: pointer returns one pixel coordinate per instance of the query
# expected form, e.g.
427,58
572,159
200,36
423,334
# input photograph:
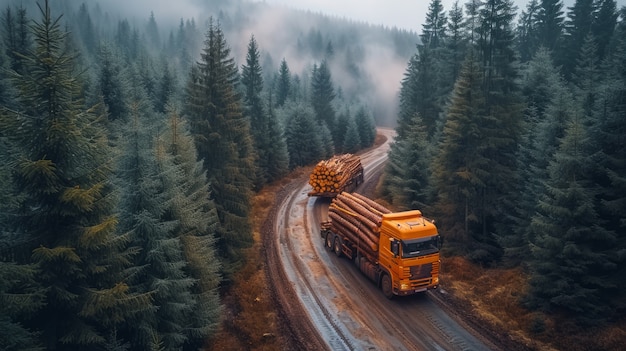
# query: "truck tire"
385,286
328,242
337,243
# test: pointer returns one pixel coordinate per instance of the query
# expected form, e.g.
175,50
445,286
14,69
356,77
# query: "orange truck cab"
408,253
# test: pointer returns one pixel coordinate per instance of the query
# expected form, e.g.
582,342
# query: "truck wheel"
337,246
329,240
385,285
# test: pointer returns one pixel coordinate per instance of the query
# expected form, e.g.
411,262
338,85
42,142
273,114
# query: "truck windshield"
420,247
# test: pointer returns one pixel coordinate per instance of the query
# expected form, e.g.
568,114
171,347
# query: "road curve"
344,308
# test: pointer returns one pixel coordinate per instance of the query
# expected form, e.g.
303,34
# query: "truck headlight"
404,286
436,280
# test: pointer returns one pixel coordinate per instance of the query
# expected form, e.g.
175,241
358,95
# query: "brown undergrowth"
494,297
250,320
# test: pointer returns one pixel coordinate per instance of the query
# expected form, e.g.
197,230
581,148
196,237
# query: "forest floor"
487,299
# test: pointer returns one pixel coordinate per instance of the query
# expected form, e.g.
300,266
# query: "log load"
358,219
332,176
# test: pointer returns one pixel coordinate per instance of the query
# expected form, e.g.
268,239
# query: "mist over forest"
134,136
367,63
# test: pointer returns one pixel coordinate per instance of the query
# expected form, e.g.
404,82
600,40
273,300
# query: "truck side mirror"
395,247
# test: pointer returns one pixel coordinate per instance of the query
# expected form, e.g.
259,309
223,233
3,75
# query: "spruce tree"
503,112
284,84
303,140
526,32
67,212
586,76
223,139
550,24
577,27
608,130
461,168
549,110
455,46
17,37
340,129
252,81
571,251
434,27
322,95
365,125
352,140
111,84
160,265
407,173
277,153
197,222
603,27
20,299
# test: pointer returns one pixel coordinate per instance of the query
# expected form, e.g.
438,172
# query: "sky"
404,14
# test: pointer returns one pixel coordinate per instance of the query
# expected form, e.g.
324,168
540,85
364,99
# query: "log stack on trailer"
339,173
357,218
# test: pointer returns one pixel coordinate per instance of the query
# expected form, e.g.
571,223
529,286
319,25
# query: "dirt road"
326,303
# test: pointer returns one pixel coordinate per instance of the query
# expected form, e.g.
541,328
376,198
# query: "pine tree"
277,153
461,167
549,110
586,76
197,221
111,84
20,299
365,125
223,139
166,88
340,130
455,46
419,92
160,265
252,81
6,90
284,84
67,209
526,32
577,27
550,24
571,250
17,37
604,24
86,30
608,130
434,27
152,29
322,95
407,174
352,140
503,112
303,140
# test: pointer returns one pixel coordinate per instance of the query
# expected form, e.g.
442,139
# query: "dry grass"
494,296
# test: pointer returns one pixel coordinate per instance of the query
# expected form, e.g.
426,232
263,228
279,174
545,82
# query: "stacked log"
331,176
358,219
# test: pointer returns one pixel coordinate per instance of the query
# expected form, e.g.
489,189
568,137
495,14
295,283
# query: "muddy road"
326,303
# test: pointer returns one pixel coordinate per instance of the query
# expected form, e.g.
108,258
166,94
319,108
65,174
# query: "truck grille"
420,275
420,271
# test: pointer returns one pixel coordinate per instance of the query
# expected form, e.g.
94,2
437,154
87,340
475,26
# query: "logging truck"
337,174
398,251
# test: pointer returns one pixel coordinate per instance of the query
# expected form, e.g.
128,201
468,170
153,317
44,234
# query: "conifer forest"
131,147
